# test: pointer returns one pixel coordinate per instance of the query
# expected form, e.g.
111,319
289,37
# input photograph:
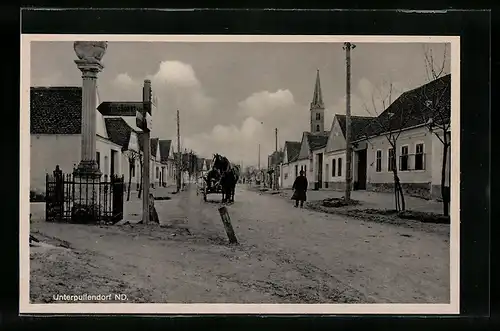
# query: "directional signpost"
144,121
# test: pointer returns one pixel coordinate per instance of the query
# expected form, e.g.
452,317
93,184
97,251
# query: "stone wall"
419,190
336,186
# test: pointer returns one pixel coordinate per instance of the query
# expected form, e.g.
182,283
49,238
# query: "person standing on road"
300,189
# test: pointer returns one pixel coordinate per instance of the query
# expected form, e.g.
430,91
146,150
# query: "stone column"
89,62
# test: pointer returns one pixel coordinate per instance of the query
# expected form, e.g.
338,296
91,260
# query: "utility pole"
348,159
276,159
179,156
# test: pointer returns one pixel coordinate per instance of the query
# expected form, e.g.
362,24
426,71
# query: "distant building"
289,168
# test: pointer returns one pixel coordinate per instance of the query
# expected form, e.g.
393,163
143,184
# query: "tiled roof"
317,141
292,150
165,149
55,110
154,146
122,108
358,125
410,108
118,131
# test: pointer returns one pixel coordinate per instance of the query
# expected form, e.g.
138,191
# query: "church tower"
317,109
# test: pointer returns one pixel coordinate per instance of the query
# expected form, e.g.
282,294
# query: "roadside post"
226,220
144,121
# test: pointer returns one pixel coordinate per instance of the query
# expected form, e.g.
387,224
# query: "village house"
122,134
55,135
289,168
335,153
419,150
274,161
55,130
168,163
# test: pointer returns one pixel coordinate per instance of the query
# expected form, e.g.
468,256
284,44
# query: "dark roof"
276,157
55,110
122,108
118,131
154,146
358,125
292,149
165,149
410,108
317,141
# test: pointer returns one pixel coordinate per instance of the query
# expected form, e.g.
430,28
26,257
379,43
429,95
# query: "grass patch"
162,198
338,202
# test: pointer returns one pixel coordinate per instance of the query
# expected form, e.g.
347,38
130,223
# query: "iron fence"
83,198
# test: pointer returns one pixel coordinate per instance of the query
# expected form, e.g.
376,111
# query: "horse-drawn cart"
209,186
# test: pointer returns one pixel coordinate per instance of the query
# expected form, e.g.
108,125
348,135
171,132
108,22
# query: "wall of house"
47,151
100,125
336,140
414,182
315,167
335,182
288,175
104,148
309,166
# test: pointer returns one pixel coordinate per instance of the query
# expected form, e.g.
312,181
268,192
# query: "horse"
229,176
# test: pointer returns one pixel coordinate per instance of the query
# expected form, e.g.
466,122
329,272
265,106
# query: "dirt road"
286,255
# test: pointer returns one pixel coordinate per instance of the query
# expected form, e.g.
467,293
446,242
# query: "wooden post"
146,152
226,220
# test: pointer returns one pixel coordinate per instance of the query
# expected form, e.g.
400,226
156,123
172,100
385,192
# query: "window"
327,170
317,128
297,171
157,172
132,168
334,163
390,159
98,159
318,116
339,166
419,157
378,164
403,164
305,169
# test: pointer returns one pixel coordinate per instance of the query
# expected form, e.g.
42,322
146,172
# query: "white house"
289,168
124,136
55,129
311,156
168,162
335,153
418,151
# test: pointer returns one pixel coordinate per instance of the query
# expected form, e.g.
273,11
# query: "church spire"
317,101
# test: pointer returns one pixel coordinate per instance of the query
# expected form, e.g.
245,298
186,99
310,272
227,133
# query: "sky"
232,96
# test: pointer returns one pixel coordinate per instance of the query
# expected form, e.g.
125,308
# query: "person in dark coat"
300,189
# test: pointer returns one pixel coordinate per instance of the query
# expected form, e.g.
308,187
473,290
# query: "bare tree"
436,109
132,156
141,164
390,121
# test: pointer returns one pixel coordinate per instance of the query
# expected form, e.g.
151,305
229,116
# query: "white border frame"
25,307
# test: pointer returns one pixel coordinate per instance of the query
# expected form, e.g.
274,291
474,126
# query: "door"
327,171
361,170
320,170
